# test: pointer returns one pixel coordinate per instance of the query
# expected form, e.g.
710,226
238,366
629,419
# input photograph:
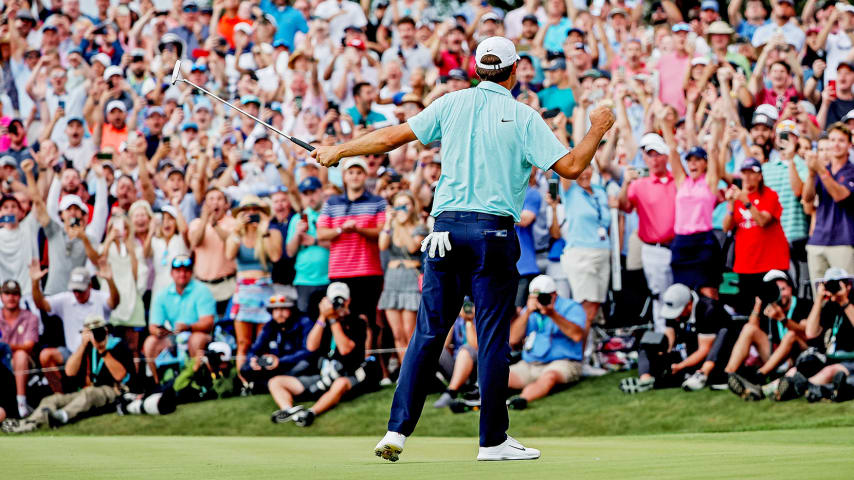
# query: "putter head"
176,72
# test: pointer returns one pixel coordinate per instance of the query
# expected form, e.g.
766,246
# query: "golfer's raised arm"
379,141
573,163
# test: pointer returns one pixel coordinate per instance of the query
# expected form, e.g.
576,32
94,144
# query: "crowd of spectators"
150,236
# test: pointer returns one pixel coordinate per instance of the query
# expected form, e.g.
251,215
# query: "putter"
176,77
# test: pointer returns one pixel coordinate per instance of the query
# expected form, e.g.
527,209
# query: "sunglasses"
401,208
182,263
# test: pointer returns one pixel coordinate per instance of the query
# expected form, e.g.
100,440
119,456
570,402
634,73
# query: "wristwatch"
331,321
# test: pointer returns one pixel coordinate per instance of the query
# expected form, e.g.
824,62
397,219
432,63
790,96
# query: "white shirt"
81,155
352,15
838,47
73,313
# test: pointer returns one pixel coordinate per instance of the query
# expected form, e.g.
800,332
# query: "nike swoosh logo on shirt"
502,120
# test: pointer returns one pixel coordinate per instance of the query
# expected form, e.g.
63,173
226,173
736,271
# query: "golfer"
489,143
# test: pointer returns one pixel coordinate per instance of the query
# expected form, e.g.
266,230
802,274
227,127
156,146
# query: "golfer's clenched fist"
601,119
327,156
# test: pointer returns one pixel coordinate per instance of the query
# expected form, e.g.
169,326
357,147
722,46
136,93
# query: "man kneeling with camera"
822,371
338,338
693,323
103,363
554,330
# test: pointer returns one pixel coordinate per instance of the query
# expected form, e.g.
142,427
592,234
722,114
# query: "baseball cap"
592,73
774,275
148,86
169,210
701,60
490,16
72,200
338,289
280,301
101,58
79,279
189,126
617,11
309,184
788,126
698,152
116,104
247,99
709,5
834,273
680,27
25,14
769,110
557,64
542,284
112,71
458,74
222,348
76,118
720,27
576,30
203,104
501,47
190,6
751,164
531,18
762,118
243,27
654,142
355,162
848,65
845,7
790,2
154,110
11,286
8,161
94,321
675,299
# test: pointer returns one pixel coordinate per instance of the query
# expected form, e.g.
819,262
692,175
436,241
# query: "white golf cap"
768,110
774,275
222,348
148,86
355,162
701,60
117,104
834,273
675,298
243,27
72,200
113,70
542,284
501,47
101,58
848,116
653,141
338,289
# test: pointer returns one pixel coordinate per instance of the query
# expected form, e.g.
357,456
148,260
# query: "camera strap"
781,326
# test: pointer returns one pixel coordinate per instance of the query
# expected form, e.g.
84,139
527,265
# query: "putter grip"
302,144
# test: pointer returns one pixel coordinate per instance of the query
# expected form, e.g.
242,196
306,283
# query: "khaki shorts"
223,290
588,270
568,370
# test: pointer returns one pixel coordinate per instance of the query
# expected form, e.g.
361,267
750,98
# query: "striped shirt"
776,176
351,254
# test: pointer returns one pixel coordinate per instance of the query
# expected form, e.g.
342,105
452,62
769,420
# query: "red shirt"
779,102
351,254
225,27
760,249
449,61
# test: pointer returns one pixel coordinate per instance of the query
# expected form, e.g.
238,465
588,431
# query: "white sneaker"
695,382
391,446
509,450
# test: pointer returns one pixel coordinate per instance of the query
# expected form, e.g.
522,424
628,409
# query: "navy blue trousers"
482,264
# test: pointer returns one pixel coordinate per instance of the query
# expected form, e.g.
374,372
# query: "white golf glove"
434,241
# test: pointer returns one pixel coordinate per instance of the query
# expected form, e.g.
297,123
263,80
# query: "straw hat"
250,201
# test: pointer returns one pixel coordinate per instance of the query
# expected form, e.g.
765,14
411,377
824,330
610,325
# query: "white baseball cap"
542,284
501,47
355,162
72,200
113,70
653,141
117,104
243,27
675,298
338,289
101,58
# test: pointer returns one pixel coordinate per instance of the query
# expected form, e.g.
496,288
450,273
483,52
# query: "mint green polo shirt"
489,143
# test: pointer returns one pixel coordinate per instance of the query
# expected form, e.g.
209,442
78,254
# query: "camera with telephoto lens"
99,334
655,343
265,361
769,292
833,286
338,302
544,299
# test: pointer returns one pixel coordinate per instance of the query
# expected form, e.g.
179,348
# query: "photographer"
775,327
280,347
339,337
459,357
830,327
553,329
104,366
694,323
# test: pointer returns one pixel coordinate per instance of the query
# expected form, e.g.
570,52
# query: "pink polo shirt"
655,200
694,205
671,69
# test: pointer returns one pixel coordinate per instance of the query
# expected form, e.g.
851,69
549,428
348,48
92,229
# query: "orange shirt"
225,27
211,263
111,137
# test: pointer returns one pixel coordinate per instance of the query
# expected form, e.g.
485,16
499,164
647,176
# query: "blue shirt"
556,34
550,343
372,117
747,30
561,98
312,262
169,307
489,143
527,264
288,22
585,215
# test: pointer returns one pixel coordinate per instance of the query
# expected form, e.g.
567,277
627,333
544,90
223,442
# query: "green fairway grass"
784,454
594,407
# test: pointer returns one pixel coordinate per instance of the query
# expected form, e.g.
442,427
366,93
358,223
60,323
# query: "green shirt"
794,221
489,143
312,262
